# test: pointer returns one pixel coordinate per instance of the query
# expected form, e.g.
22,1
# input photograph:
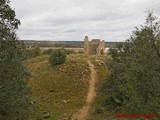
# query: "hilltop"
61,91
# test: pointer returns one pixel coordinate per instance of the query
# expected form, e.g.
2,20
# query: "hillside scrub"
70,51
59,90
49,51
31,53
133,86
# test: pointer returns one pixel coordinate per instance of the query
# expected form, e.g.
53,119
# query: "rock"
52,90
46,115
32,102
66,101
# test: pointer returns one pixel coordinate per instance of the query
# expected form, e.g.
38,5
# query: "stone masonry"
95,46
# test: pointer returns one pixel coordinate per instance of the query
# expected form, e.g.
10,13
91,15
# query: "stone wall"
95,46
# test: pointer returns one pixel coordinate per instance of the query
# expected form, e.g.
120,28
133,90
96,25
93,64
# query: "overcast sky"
60,20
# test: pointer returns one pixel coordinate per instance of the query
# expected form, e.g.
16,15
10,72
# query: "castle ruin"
95,46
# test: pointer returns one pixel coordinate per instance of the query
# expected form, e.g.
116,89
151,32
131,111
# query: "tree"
134,82
13,90
57,57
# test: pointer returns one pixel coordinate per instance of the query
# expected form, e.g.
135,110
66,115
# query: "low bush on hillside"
30,53
80,52
67,51
57,57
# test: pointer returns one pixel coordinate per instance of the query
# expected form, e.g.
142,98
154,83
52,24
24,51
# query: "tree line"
14,103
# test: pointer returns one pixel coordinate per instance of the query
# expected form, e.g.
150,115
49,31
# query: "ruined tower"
95,46
86,44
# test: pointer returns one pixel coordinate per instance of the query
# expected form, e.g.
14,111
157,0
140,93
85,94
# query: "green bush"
57,57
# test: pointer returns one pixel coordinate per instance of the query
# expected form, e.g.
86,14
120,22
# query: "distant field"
76,49
63,44
61,90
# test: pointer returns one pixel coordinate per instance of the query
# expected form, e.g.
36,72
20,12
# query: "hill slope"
58,91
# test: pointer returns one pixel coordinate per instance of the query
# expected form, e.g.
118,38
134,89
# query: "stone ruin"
95,46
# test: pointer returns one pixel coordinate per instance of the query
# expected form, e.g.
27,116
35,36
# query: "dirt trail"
83,113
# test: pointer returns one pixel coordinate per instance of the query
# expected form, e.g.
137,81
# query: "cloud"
73,19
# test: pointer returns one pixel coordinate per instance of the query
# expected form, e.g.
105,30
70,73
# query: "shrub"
57,57
48,51
30,53
80,52
69,51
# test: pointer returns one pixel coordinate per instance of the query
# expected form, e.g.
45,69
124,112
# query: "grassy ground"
59,91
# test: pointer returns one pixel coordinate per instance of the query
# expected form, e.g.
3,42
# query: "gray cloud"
72,19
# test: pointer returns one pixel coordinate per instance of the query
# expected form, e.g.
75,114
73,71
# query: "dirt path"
83,113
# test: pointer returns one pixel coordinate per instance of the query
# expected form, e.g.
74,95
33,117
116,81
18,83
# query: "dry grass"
61,90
